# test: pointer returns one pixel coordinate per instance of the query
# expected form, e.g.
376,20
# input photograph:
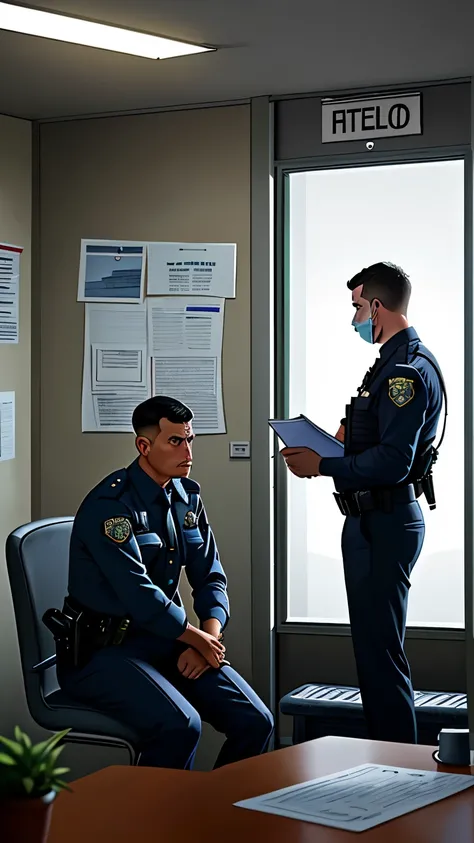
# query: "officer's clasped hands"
192,664
207,645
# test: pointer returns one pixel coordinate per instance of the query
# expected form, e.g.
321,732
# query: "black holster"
422,471
425,487
79,632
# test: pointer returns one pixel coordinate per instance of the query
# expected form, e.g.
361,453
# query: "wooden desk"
146,805
130,805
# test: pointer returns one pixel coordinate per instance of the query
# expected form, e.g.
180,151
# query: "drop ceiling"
266,47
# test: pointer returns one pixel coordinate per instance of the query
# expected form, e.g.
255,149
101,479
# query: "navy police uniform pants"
165,709
379,551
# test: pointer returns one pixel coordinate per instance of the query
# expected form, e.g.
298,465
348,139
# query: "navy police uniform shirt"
130,539
394,417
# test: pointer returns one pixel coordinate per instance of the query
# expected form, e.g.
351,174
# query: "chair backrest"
37,557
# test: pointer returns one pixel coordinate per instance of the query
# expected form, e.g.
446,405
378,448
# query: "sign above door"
376,117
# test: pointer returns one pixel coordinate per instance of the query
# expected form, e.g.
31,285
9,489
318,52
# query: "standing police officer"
388,435
129,650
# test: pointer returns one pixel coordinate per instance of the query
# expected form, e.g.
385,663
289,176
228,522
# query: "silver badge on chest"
190,520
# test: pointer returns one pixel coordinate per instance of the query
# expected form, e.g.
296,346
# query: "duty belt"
109,629
383,500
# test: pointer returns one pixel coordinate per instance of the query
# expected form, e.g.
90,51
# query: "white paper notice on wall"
112,271
116,372
185,345
9,292
192,269
7,426
118,364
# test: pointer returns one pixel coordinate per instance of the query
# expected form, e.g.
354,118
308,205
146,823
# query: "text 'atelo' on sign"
371,118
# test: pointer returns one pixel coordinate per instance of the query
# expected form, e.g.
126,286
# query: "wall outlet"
239,450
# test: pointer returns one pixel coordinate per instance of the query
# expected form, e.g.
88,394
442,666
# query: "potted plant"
29,782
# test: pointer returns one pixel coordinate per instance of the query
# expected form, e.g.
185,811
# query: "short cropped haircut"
149,413
385,282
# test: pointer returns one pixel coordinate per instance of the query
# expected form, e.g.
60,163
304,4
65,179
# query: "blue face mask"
365,329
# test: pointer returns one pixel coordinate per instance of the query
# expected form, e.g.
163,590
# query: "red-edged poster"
9,292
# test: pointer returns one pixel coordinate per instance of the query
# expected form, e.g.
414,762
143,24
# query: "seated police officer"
129,650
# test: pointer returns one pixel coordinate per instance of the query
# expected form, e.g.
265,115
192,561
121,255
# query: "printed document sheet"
116,371
192,269
112,271
185,345
9,293
7,426
361,797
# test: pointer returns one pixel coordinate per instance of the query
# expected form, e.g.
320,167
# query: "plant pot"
26,819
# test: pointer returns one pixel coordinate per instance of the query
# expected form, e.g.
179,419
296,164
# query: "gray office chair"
37,562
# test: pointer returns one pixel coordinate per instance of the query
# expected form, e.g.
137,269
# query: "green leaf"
60,785
59,771
28,784
53,740
14,747
26,740
39,748
18,734
41,766
54,755
7,760
22,738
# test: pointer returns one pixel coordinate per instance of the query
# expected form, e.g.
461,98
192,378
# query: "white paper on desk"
185,344
111,271
116,373
7,426
303,433
9,293
192,269
361,797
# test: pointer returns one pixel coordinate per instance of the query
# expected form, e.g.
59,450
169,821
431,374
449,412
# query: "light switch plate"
239,450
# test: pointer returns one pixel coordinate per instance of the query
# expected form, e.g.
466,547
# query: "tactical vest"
362,426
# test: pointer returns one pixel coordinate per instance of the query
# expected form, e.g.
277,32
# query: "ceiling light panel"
76,31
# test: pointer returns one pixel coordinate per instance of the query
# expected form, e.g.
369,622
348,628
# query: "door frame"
283,170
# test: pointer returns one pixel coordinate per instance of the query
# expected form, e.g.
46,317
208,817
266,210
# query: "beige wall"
173,176
15,371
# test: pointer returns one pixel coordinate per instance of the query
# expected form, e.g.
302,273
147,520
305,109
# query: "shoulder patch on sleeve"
405,382
119,529
401,390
